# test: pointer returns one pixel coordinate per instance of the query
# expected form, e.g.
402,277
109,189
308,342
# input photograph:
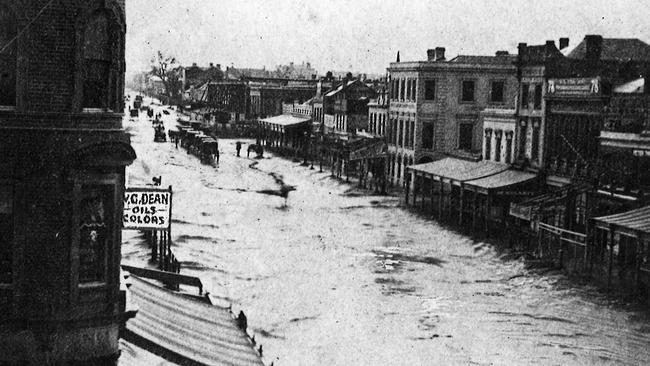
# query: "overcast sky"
363,35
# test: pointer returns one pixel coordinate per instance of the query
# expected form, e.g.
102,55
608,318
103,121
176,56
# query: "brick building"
61,181
378,113
435,106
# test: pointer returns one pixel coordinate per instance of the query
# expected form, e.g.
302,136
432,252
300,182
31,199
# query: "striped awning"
187,328
632,222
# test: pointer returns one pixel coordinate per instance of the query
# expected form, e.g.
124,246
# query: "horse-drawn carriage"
209,150
159,132
134,113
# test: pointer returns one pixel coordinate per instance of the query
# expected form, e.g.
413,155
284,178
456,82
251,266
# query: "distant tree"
169,72
329,75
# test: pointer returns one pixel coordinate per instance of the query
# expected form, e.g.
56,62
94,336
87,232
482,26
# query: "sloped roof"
484,60
634,86
460,170
636,220
191,329
617,49
502,180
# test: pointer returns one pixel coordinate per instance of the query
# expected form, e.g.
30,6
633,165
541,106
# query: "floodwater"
340,277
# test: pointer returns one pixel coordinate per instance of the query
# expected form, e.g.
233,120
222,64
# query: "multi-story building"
230,97
62,181
435,106
267,96
378,113
345,107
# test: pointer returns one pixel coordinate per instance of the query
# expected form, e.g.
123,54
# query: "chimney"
440,53
502,53
219,66
521,49
550,45
211,65
564,43
431,55
594,47
193,64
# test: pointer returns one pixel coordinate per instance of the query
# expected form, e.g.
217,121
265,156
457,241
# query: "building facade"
62,180
435,106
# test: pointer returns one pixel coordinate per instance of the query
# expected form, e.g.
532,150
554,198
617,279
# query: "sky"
362,35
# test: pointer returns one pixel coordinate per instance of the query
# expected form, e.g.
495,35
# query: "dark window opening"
534,149
465,132
400,129
402,88
509,148
7,58
429,90
538,97
6,233
468,91
522,137
496,92
96,61
414,90
524,96
427,136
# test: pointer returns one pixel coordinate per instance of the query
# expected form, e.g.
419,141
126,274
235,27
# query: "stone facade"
435,106
61,181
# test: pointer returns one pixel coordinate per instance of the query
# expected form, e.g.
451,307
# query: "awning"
525,210
632,222
502,181
187,328
458,170
285,120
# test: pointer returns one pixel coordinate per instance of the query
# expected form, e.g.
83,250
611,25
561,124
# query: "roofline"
433,65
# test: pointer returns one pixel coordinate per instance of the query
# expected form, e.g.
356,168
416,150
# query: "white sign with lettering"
147,208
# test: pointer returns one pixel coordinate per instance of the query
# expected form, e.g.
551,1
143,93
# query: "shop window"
467,92
429,90
537,102
7,57
95,231
496,92
524,95
97,61
465,132
6,233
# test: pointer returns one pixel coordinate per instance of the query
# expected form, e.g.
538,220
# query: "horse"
258,149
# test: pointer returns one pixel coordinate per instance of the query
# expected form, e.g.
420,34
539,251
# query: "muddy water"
334,277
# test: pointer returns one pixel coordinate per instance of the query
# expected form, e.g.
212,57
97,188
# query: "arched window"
7,57
97,59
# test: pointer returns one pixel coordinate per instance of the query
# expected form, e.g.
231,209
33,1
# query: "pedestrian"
176,138
217,155
238,147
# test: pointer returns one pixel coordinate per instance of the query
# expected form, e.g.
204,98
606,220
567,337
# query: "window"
7,58
488,144
523,131
402,89
95,213
407,133
534,149
465,132
6,233
538,97
412,136
467,93
496,92
427,136
96,61
508,147
429,90
408,89
524,96
414,90
400,129
497,145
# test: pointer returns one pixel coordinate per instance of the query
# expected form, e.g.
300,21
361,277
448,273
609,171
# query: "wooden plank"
166,277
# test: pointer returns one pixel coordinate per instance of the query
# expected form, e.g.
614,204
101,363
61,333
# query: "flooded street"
339,277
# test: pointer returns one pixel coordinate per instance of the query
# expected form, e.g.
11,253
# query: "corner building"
435,106
64,152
